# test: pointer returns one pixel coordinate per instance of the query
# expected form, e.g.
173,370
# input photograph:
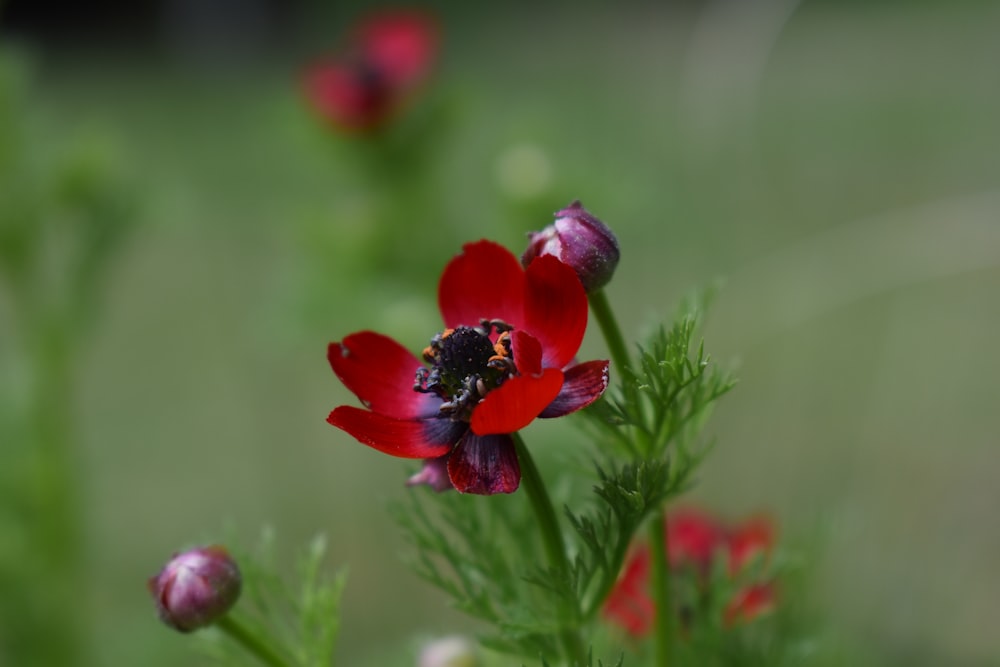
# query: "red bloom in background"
629,604
505,358
387,57
694,540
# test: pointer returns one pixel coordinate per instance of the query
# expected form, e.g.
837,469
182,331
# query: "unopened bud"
580,240
196,588
434,474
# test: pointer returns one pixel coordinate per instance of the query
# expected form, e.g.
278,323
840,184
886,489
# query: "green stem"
606,319
54,631
601,308
552,538
251,642
662,622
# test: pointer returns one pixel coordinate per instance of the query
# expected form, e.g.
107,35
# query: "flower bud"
448,652
580,240
434,474
196,588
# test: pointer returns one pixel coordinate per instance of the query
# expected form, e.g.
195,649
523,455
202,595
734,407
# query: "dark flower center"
465,366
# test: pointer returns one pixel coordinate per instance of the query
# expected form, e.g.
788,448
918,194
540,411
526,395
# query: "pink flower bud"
434,474
196,588
580,240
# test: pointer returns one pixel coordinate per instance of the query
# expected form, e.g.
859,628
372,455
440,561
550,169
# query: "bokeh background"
836,165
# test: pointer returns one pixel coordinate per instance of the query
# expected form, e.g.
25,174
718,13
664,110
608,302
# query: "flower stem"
552,538
53,630
251,642
662,622
601,308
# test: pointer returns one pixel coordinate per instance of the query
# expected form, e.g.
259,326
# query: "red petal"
527,353
583,384
750,603
484,282
516,403
484,464
555,309
381,372
692,538
751,537
405,438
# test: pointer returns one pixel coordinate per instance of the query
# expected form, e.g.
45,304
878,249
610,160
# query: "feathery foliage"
301,616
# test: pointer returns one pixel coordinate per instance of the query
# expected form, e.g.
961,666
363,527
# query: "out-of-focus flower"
749,603
386,58
196,588
449,652
580,240
751,538
629,604
694,540
505,358
693,536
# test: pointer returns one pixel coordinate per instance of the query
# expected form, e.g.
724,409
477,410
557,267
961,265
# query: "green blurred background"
837,164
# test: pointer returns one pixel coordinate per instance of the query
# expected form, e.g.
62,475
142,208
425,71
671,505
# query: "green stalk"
601,308
663,621
50,627
613,338
552,538
251,642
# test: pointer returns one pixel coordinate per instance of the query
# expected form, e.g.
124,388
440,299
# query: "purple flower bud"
434,474
580,240
196,588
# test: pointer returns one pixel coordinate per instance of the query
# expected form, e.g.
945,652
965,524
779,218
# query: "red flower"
505,358
386,58
695,539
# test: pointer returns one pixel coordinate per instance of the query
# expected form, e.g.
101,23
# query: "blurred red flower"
694,540
693,537
387,56
505,358
629,605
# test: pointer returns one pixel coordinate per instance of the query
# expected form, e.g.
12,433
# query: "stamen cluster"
466,365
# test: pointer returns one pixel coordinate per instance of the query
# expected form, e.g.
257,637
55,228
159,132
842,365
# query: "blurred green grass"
862,324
